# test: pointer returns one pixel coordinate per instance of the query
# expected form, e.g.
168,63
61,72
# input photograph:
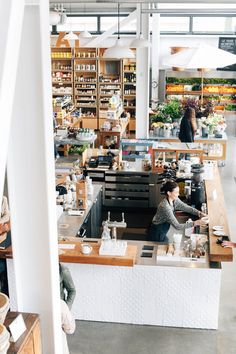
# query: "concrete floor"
113,338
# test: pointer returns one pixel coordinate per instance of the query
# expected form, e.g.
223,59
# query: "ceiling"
110,6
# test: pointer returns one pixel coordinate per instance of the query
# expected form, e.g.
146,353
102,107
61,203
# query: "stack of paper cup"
204,224
177,241
4,339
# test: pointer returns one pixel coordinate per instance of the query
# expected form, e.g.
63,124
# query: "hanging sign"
228,44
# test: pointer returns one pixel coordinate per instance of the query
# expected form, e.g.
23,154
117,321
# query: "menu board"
228,44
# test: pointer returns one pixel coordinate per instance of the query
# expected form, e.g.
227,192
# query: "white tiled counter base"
152,295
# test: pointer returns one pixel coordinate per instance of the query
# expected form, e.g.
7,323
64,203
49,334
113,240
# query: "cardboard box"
82,203
81,189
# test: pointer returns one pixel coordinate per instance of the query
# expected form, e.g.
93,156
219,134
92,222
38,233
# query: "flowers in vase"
213,121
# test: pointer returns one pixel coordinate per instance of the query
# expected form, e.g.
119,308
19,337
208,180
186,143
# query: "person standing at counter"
165,215
4,230
188,126
67,286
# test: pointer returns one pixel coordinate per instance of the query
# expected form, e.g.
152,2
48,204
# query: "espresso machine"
197,186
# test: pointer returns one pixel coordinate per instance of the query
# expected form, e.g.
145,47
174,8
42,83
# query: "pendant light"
71,36
139,41
85,33
118,51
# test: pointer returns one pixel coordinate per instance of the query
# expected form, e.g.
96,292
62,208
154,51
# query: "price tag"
17,328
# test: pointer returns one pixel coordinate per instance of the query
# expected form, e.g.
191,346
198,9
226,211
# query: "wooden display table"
124,122
177,148
30,341
209,154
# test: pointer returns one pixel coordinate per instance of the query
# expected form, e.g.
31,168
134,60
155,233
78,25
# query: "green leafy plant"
74,149
168,112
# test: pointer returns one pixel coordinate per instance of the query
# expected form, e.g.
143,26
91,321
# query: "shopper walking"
188,126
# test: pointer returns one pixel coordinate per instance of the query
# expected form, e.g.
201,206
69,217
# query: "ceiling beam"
97,41
192,11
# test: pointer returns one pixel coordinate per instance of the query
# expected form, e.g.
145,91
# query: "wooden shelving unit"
85,85
91,80
219,87
129,89
62,71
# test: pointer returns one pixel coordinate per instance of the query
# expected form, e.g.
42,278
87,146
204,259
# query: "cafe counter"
146,290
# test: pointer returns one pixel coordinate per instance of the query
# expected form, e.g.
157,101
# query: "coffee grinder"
197,186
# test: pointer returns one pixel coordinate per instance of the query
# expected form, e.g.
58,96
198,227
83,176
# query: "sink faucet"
114,224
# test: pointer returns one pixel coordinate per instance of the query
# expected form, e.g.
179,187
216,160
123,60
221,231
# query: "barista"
165,215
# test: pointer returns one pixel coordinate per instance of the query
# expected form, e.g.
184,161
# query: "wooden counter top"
30,341
75,255
217,216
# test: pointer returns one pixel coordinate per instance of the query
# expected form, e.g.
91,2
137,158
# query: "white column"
11,17
155,57
31,180
142,79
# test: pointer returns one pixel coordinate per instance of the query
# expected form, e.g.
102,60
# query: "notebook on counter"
6,242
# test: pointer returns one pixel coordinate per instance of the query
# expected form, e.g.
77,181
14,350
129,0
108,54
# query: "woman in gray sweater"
165,216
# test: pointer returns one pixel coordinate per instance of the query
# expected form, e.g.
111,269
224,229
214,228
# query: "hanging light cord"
118,20
140,24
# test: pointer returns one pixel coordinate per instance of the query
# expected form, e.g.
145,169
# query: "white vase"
166,133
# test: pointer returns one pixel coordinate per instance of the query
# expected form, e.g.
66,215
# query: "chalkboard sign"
228,44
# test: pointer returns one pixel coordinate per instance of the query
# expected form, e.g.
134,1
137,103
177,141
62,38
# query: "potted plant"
214,122
167,113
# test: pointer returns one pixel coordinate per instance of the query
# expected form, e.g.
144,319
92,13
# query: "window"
107,22
215,24
79,23
174,23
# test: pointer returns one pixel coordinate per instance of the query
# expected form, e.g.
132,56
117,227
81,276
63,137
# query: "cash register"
102,162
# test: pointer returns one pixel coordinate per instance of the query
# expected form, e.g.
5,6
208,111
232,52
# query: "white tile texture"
154,295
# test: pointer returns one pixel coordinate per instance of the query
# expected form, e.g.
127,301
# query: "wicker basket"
4,339
4,307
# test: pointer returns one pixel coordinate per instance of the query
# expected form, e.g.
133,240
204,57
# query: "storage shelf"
62,94
63,70
82,80
62,82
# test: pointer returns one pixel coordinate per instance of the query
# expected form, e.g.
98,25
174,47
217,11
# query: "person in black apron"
165,215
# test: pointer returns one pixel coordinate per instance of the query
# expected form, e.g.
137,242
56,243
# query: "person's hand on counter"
228,244
197,222
201,214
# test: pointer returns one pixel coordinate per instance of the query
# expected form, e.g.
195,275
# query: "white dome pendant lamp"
118,51
71,36
84,34
139,41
